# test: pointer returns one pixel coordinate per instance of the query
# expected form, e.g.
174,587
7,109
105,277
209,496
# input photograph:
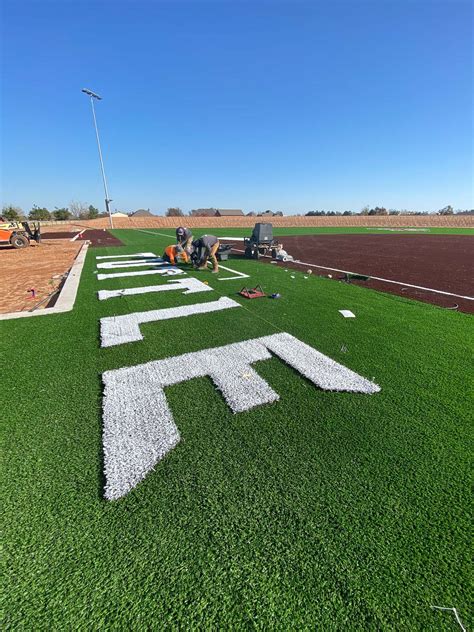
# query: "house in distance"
217,212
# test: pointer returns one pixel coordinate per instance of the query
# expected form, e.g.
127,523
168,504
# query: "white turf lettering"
191,285
137,254
111,265
117,330
170,271
139,428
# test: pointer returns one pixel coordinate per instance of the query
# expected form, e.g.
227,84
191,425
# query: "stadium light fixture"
93,96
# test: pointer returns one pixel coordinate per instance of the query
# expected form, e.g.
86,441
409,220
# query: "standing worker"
184,237
205,248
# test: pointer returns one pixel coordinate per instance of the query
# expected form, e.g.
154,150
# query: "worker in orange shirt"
175,252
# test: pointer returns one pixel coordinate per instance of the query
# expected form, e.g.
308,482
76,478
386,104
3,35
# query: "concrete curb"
67,296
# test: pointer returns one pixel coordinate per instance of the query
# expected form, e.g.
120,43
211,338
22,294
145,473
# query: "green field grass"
330,230
321,511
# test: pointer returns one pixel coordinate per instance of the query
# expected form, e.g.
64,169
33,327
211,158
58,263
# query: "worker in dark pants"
205,248
184,237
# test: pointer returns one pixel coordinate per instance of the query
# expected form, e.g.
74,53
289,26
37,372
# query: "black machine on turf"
261,242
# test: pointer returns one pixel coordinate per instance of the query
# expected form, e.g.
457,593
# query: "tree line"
76,210
381,210
79,210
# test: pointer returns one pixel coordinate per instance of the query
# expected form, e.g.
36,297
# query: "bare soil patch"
39,267
99,238
440,262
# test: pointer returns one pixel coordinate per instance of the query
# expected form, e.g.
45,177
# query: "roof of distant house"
141,213
225,212
204,211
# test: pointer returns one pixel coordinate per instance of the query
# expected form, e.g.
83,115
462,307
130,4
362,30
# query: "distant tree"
92,212
78,210
61,214
365,211
12,213
347,213
447,210
378,210
174,212
37,213
466,212
393,211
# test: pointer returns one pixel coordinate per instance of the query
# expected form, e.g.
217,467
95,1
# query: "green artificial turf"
324,510
324,230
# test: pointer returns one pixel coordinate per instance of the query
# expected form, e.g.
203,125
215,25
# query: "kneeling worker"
205,248
184,237
174,252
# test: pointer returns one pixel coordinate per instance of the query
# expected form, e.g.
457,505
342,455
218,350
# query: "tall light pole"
93,96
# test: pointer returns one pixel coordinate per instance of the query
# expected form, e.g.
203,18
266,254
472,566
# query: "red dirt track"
440,262
98,238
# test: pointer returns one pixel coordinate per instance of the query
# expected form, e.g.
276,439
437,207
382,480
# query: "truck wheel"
19,241
248,253
274,253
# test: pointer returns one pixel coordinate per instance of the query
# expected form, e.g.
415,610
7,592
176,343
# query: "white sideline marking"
118,330
417,287
137,254
78,235
165,271
138,425
239,275
190,284
67,296
154,233
232,238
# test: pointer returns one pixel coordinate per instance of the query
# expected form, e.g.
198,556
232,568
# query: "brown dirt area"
98,238
440,262
33,267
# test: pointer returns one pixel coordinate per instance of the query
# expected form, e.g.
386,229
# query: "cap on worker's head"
179,248
180,231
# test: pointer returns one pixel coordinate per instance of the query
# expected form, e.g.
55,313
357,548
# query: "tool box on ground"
223,252
261,242
252,292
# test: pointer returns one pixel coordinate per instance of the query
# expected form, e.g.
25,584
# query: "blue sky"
292,106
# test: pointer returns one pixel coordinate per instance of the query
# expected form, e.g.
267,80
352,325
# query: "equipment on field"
284,256
19,234
261,242
252,292
223,252
348,277
275,295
